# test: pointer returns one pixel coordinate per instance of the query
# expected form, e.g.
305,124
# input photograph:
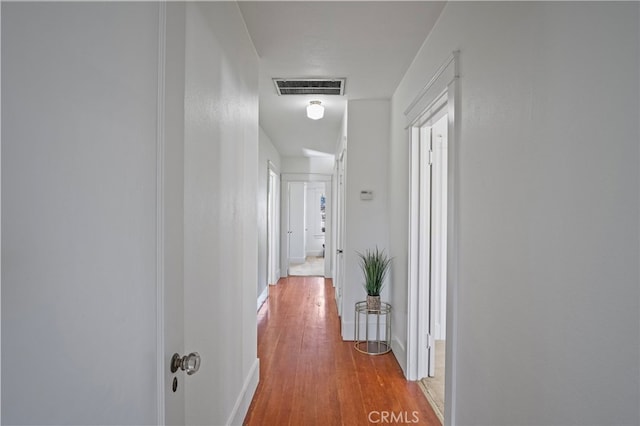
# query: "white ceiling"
370,43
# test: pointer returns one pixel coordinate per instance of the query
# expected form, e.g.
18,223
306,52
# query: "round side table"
377,333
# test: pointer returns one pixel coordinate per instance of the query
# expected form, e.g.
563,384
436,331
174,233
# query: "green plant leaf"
374,265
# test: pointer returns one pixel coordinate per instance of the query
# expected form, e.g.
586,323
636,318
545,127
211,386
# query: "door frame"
440,94
285,179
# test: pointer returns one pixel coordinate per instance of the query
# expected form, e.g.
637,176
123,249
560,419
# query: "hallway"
312,267
309,376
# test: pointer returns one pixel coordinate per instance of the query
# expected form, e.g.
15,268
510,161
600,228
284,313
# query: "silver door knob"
189,363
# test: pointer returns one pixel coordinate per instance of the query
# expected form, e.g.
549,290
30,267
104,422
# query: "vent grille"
318,86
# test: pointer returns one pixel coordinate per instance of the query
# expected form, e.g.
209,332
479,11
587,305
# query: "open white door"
340,220
297,222
433,234
273,194
430,146
428,247
315,222
439,145
426,289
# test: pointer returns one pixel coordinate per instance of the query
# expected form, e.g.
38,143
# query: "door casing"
439,96
285,179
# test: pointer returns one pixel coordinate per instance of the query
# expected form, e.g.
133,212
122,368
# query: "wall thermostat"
366,195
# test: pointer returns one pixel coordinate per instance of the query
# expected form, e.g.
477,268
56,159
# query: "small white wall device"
366,195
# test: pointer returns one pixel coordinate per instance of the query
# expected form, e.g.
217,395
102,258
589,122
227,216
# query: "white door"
297,219
432,238
426,289
315,218
439,228
272,228
340,219
171,215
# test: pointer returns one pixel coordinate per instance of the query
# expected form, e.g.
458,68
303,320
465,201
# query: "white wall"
267,152
79,101
366,221
307,165
548,294
221,242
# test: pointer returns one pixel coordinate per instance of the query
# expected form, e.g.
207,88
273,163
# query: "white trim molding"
271,166
400,352
263,297
243,401
433,90
305,177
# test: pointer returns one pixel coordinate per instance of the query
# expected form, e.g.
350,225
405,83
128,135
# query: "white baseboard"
347,329
400,352
263,296
243,401
314,253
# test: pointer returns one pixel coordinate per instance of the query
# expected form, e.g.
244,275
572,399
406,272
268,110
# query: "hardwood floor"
309,376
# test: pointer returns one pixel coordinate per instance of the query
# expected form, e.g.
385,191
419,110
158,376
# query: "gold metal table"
377,333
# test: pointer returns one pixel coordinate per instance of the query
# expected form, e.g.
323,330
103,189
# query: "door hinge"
430,160
430,341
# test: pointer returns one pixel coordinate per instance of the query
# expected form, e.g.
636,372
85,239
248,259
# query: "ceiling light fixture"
315,110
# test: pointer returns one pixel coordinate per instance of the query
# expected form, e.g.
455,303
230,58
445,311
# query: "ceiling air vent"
305,86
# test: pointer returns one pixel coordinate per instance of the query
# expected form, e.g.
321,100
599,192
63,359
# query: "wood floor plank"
309,376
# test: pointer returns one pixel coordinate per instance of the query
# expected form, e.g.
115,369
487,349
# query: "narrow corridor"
309,376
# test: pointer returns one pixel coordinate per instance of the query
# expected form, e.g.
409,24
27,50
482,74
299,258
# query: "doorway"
307,225
433,228
306,220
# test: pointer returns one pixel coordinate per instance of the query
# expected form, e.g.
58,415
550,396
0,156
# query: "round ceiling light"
315,110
